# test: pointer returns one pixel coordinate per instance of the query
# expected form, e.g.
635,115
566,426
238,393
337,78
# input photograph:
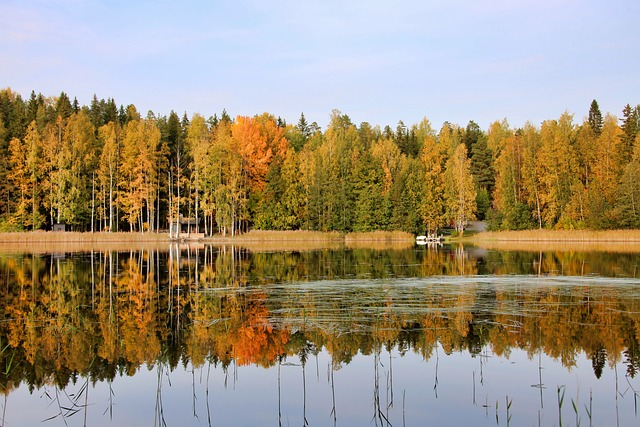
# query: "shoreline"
618,241
300,240
552,236
257,240
252,236
547,236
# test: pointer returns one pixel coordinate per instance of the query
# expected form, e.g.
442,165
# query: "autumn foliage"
107,168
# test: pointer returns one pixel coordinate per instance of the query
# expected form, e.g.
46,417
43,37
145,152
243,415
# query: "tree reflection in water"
105,314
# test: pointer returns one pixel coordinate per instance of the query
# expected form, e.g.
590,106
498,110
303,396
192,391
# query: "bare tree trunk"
110,200
178,201
158,206
538,208
93,198
170,205
196,201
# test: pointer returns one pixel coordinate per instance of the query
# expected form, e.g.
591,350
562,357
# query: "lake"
198,335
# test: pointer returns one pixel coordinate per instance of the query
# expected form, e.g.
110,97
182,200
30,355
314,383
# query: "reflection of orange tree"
234,326
231,325
255,341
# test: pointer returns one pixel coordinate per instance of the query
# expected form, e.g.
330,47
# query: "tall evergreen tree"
303,126
110,112
224,117
402,140
33,105
472,134
18,122
483,172
595,118
630,128
95,113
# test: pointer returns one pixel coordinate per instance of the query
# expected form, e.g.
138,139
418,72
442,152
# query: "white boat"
431,238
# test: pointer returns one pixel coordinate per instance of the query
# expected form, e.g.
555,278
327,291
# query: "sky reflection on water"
447,390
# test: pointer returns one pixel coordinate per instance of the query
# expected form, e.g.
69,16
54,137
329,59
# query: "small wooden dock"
184,237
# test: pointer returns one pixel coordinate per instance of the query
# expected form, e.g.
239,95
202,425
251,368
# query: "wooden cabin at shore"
60,227
185,229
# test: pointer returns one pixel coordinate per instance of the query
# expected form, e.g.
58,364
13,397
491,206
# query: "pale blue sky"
377,61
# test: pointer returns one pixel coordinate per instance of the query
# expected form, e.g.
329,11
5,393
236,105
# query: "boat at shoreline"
429,238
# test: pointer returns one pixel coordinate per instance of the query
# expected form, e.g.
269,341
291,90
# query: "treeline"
104,167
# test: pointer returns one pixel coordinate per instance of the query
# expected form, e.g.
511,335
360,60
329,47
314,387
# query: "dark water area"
206,335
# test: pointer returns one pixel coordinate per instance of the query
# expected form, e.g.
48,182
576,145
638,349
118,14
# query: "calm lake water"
223,336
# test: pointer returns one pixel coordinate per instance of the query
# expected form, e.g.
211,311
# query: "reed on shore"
260,240
281,236
558,240
306,236
254,235
75,237
619,236
313,240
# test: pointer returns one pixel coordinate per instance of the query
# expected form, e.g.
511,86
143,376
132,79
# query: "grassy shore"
320,236
261,240
257,240
254,235
49,242
74,237
612,236
558,240
618,236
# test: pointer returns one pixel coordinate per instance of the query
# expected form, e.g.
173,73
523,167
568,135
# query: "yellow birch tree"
460,191
433,207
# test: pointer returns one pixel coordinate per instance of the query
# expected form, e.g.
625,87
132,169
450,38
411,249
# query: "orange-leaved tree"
252,146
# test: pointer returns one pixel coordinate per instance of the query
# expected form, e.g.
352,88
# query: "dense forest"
104,167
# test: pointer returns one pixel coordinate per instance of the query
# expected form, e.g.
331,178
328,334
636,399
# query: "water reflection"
76,323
